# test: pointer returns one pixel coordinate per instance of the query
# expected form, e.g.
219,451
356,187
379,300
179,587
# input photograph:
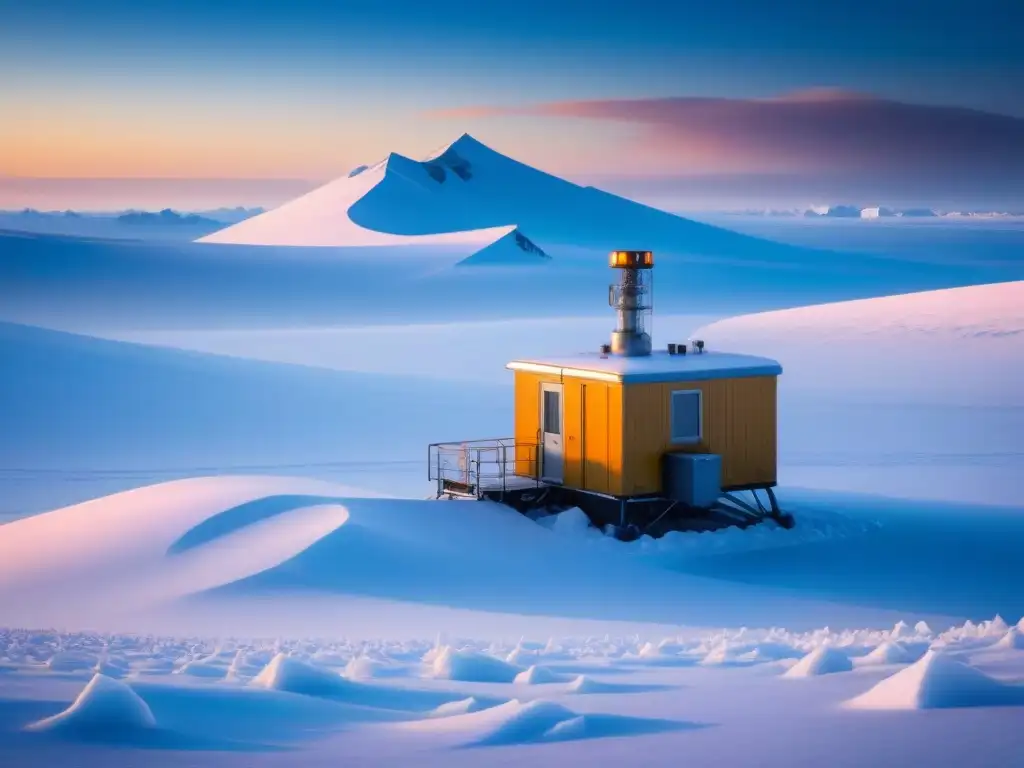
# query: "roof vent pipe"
633,300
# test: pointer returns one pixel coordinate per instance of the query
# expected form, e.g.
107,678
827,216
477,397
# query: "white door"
552,459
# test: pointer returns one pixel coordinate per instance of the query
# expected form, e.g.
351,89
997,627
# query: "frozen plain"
187,592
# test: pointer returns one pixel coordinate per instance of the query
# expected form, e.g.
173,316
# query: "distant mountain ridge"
166,217
167,224
132,215
467,191
873,212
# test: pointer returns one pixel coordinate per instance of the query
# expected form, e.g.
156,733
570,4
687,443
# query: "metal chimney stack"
633,300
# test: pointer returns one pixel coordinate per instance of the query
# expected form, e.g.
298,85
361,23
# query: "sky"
219,103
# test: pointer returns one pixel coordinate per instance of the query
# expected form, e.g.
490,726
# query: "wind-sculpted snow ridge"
207,547
537,721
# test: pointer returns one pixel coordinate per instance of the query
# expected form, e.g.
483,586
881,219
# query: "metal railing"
480,468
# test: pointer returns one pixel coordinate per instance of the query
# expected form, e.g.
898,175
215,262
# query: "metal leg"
760,506
740,504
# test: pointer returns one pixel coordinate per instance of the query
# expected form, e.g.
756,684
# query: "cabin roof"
658,366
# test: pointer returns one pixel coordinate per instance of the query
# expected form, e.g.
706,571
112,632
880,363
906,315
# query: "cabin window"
552,417
686,420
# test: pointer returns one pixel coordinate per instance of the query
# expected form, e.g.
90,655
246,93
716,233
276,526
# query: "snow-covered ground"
733,697
239,566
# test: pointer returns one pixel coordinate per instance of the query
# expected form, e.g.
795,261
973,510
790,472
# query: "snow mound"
460,707
537,675
514,722
888,652
746,653
520,656
1013,639
363,668
285,673
512,250
537,721
721,654
585,684
984,323
938,681
204,669
901,631
472,667
651,651
571,523
71,661
154,666
105,706
820,661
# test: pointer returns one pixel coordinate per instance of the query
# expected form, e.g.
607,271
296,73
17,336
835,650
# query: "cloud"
820,131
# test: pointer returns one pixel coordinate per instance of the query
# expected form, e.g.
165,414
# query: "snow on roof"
658,366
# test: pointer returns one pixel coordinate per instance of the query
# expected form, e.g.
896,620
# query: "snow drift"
469,666
363,668
917,335
510,250
460,707
586,684
71,661
1012,640
291,675
858,365
105,707
209,550
538,721
537,675
938,681
821,661
889,652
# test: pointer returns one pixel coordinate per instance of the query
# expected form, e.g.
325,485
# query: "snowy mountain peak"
465,144
472,193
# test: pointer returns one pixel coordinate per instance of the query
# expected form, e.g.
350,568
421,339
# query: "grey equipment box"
694,479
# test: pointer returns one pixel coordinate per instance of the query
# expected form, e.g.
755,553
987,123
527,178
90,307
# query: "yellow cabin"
603,423
629,433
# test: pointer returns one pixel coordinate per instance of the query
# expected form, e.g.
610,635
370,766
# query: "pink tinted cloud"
815,131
